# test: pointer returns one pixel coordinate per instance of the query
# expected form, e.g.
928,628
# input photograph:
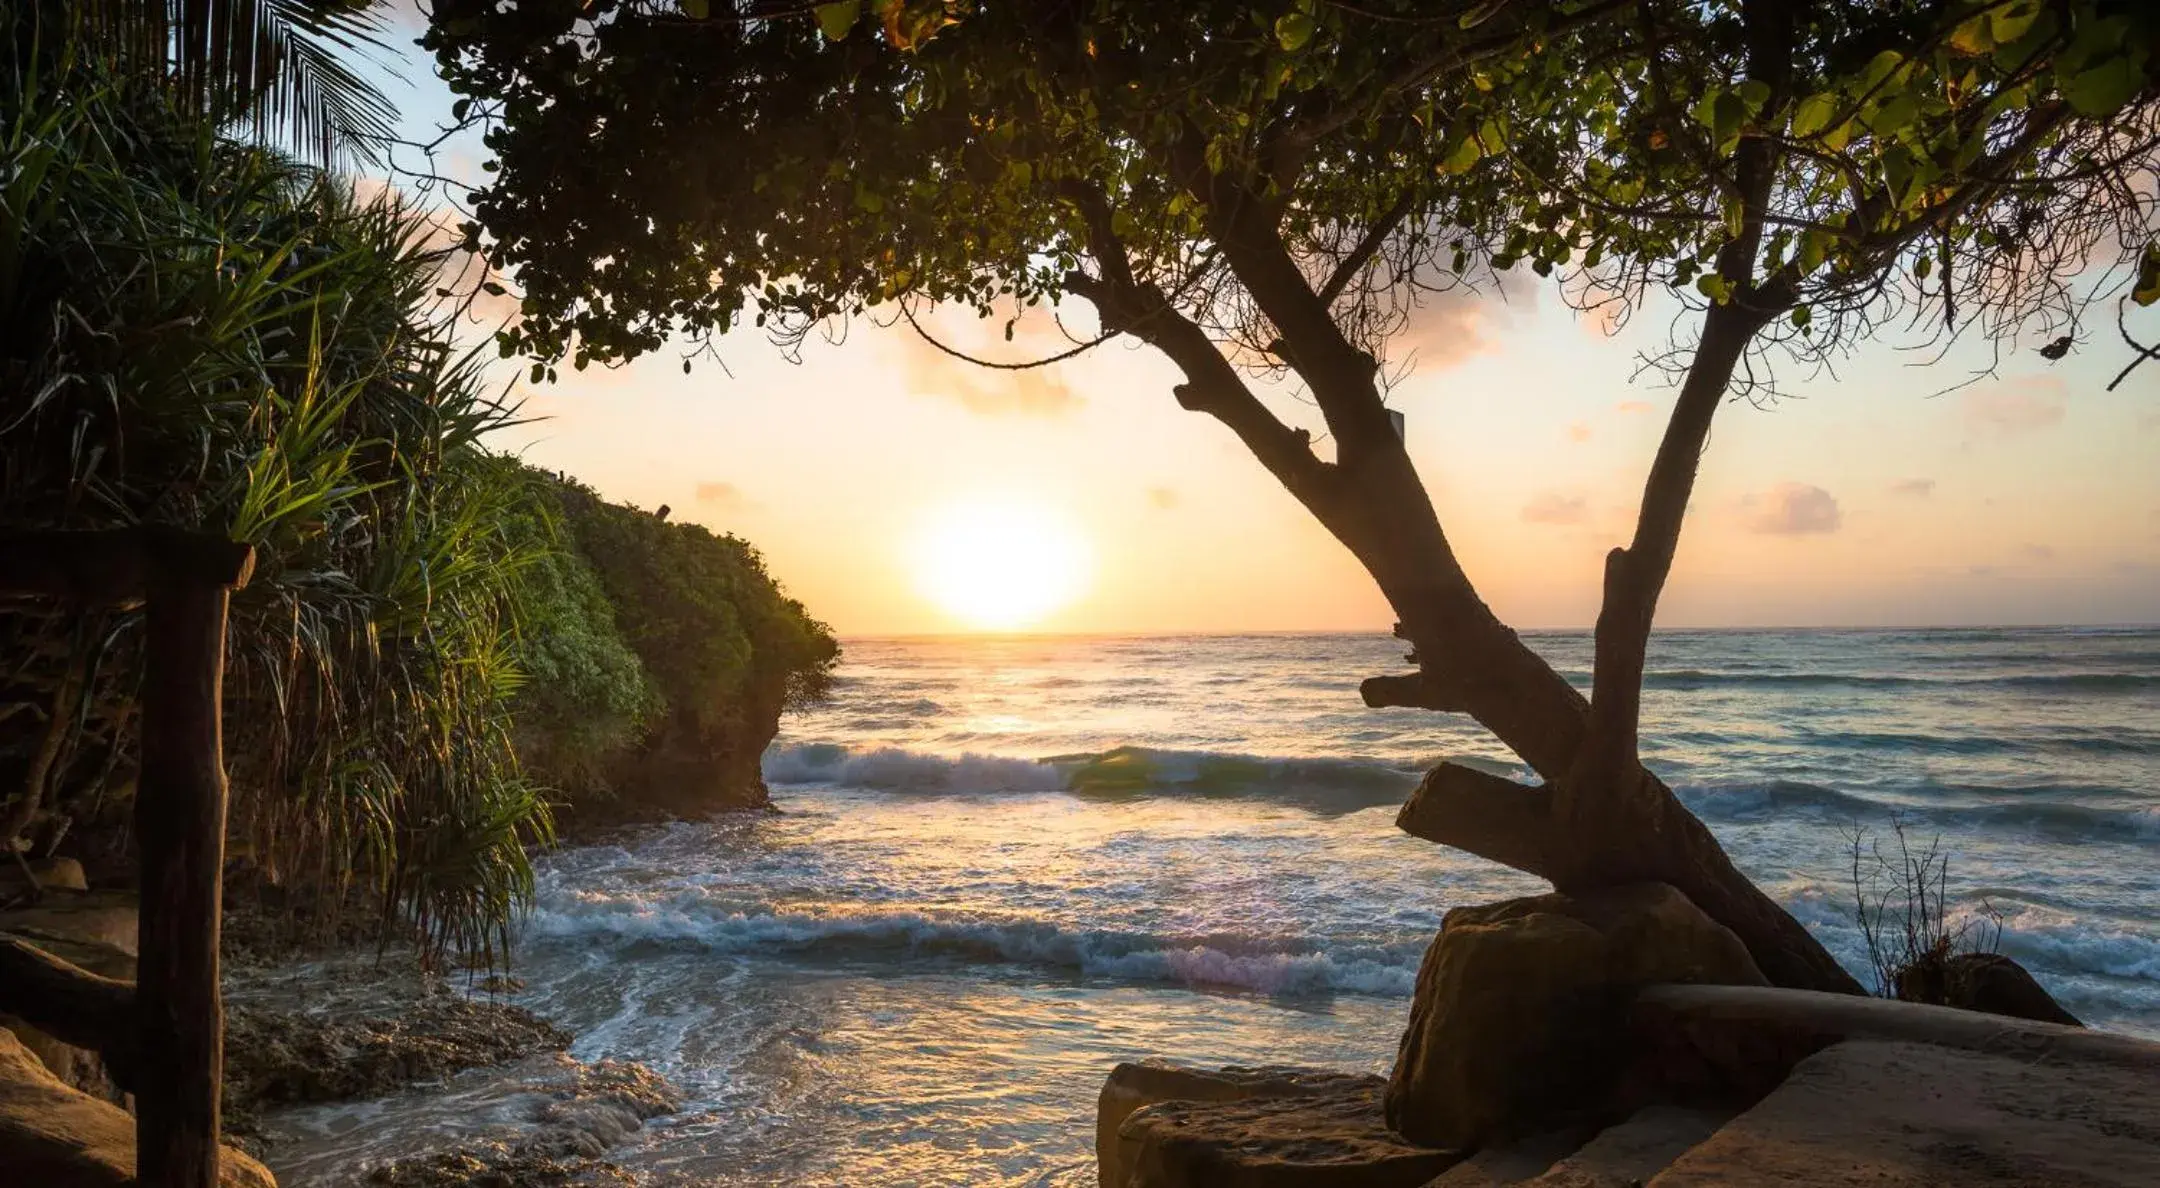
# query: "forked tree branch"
1362,254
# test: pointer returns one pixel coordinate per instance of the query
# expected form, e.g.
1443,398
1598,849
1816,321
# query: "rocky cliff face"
684,768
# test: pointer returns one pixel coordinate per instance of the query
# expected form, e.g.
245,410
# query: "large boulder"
1987,982
1332,1137
53,1136
1518,1015
1134,1087
1888,1114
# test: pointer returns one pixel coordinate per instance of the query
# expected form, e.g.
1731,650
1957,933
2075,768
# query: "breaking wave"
2025,809
1324,783
1256,964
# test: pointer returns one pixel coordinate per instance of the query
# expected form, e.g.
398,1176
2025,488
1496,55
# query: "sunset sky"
1870,497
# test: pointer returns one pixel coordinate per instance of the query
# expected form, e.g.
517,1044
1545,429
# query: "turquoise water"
1000,866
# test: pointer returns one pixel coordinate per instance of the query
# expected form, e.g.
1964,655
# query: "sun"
1000,564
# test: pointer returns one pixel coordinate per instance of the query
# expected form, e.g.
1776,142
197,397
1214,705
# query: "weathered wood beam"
180,836
110,566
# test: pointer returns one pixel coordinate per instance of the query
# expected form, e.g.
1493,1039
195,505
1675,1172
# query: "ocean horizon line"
1384,633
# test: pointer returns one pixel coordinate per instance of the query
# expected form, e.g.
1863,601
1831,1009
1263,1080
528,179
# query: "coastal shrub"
206,333
439,643
587,696
1901,900
723,652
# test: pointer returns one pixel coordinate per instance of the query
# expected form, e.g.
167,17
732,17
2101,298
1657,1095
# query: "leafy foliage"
289,71
206,334
752,164
725,651
587,696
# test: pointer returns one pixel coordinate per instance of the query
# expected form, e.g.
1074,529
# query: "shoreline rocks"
279,1057
1519,1014
54,1134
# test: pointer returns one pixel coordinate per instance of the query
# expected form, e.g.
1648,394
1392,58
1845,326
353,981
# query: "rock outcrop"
1903,1115
1986,982
1518,1015
52,1134
93,931
277,1057
1135,1087
1299,1131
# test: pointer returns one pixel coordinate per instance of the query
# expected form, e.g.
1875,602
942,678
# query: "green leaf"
1897,168
696,10
835,21
1814,248
1754,92
1724,113
1974,36
1879,68
1895,113
1801,316
1465,154
2012,21
1705,109
1293,30
1813,114
2148,282
2102,90
1714,286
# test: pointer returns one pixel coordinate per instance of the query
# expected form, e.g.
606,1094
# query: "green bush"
438,643
722,652
207,334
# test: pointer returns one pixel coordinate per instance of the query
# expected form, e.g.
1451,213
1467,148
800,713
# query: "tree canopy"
1271,187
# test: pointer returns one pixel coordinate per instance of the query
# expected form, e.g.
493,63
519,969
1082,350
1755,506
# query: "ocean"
1001,865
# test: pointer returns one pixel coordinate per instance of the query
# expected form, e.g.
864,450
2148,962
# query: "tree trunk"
180,833
1619,823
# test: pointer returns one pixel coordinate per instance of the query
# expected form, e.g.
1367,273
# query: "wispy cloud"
1448,327
1578,432
1913,488
990,391
723,495
2017,406
1162,498
1635,407
1552,507
1792,509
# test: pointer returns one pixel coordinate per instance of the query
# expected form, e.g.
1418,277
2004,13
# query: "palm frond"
291,72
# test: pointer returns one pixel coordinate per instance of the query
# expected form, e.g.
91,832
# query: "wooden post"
180,837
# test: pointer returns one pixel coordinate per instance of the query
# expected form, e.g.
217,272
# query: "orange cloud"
2017,406
990,391
1792,509
721,495
1551,507
1448,327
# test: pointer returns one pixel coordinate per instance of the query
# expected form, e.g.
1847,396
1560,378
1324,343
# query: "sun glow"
1000,565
